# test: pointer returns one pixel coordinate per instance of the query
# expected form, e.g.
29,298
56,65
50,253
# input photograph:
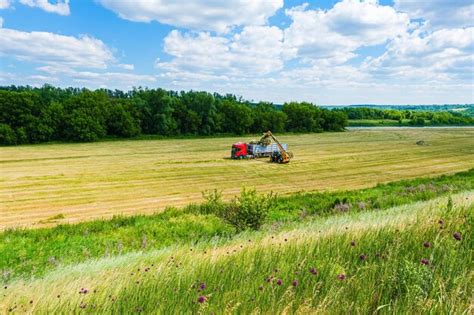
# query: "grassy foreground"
411,259
32,252
44,185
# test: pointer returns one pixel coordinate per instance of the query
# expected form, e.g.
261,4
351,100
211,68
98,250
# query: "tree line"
34,115
414,117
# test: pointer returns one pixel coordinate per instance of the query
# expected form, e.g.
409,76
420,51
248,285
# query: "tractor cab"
239,150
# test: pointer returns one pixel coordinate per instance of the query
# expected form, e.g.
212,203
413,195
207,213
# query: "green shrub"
213,203
249,210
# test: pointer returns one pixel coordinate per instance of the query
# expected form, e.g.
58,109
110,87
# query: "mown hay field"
41,185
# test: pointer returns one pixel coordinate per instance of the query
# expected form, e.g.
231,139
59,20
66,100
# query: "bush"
249,210
213,204
7,135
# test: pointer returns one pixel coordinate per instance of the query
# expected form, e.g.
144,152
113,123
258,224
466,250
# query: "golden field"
42,185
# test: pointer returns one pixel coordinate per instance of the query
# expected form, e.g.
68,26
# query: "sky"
322,51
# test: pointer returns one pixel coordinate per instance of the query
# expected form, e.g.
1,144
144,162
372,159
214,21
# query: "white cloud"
440,13
254,61
60,7
4,4
54,49
126,66
92,79
256,51
445,55
206,15
110,79
332,36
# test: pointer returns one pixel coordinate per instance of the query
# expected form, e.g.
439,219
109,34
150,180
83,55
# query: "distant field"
48,184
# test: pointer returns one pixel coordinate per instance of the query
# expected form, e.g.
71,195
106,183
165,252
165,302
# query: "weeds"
29,252
340,264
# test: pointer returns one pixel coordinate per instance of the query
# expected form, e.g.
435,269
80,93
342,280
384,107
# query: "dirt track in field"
94,180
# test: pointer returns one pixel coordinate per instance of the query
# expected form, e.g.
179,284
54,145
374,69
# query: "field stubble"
77,182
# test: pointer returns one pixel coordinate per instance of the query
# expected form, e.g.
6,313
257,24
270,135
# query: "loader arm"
285,155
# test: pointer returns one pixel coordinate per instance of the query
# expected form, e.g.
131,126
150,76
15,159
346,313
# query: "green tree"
303,117
237,118
7,135
120,122
86,116
266,117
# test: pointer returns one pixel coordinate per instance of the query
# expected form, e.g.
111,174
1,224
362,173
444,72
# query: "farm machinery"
267,146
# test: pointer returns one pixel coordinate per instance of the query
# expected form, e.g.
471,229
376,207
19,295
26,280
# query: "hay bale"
265,141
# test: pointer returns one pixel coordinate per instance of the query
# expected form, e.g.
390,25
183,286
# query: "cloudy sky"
323,51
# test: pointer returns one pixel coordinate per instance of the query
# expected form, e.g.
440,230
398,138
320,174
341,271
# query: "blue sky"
324,51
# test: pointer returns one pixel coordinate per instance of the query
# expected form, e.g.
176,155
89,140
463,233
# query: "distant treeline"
427,108
408,116
34,115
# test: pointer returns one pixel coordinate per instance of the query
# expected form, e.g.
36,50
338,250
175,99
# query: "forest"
48,113
34,115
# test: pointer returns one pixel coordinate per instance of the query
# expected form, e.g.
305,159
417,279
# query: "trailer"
258,150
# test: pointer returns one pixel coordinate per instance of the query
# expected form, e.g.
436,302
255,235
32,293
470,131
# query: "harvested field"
43,185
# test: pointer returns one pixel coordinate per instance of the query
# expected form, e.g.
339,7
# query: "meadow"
26,253
50,184
415,258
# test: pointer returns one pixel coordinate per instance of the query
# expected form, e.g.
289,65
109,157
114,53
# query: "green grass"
25,253
392,279
389,123
376,123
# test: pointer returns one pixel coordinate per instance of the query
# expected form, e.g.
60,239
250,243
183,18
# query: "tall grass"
404,260
25,253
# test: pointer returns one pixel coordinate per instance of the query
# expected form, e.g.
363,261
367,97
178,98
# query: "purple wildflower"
457,236
202,299
295,283
362,257
341,276
279,282
427,244
202,286
425,261
313,271
353,243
